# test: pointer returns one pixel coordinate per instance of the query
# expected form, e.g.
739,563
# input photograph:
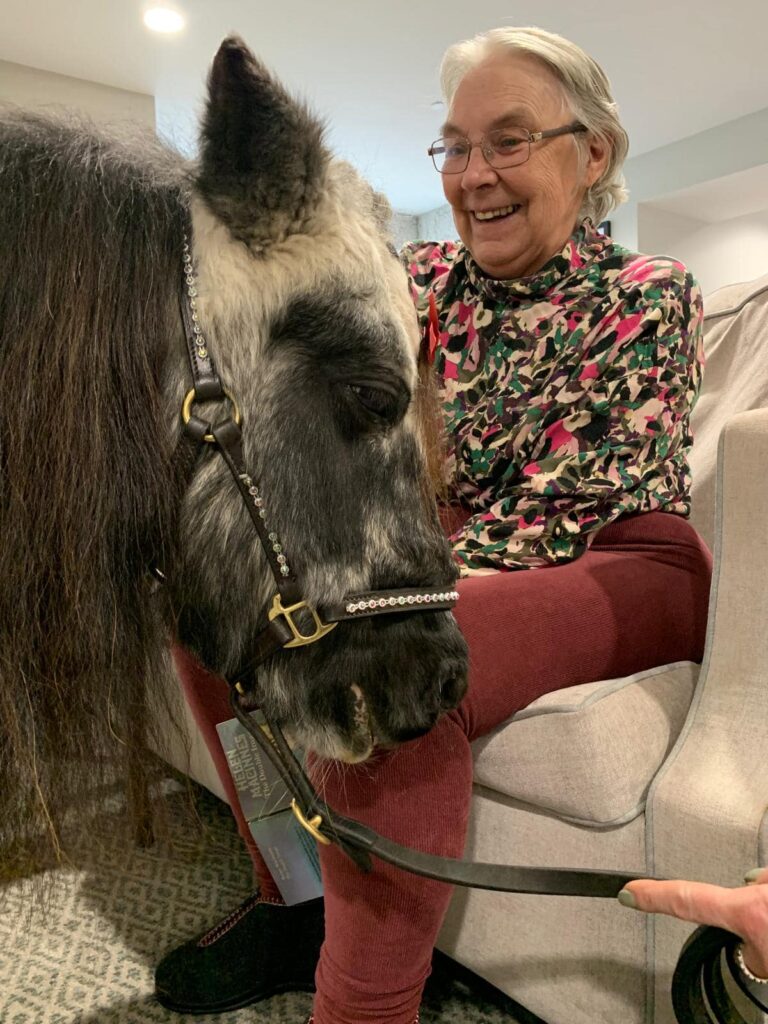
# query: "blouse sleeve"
614,442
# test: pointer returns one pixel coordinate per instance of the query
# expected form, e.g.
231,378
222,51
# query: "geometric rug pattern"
87,956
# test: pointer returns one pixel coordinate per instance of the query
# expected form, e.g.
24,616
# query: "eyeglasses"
504,147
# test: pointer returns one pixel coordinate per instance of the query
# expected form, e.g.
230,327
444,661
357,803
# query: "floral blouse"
566,395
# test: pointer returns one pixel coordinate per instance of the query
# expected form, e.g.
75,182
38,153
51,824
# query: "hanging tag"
290,852
260,789
433,330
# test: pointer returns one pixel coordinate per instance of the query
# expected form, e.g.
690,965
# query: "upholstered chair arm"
707,812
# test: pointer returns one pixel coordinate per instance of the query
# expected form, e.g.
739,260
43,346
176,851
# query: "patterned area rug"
88,959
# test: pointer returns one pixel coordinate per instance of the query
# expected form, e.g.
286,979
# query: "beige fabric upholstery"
567,752
735,379
570,961
708,809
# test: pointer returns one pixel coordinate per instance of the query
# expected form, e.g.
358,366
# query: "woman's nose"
478,171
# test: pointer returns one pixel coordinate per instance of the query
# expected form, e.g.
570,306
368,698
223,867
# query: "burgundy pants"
635,600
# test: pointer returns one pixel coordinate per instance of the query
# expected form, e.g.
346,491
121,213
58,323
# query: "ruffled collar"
581,249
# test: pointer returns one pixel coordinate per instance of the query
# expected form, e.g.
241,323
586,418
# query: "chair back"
735,380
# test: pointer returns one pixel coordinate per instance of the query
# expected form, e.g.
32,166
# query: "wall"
437,225
433,226
660,231
29,87
720,151
404,228
718,254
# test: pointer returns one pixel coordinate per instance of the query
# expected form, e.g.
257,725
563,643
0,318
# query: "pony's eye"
377,401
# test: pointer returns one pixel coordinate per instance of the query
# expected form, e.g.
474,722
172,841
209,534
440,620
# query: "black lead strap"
355,838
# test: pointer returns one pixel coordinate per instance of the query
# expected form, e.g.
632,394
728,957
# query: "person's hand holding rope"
742,911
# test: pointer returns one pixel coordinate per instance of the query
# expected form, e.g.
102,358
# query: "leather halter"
289,614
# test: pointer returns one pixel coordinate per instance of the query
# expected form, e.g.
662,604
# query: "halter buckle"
312,825
299,639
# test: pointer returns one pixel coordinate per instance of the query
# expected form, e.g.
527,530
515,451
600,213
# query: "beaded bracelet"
744,969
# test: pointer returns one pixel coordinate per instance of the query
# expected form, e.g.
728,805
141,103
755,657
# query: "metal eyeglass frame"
490,153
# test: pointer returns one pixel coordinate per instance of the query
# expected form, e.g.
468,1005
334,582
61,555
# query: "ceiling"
370,69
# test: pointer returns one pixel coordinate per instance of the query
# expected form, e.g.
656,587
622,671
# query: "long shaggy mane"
89,257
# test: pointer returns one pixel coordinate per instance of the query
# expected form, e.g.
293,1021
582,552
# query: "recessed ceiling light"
163,19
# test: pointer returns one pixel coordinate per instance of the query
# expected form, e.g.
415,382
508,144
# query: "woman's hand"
743,910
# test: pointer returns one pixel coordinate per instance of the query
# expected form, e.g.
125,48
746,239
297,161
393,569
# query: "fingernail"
627,899
753,875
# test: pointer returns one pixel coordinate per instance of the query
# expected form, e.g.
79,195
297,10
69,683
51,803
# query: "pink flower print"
534,526
490,432
558,435
643,269
629,325
450,370
589,372
639,270
433,330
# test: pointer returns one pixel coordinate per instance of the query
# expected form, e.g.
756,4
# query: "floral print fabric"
566,395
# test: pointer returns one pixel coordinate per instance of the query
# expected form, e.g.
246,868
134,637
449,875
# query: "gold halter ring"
186,410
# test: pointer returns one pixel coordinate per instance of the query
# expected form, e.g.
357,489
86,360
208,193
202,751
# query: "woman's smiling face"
545,193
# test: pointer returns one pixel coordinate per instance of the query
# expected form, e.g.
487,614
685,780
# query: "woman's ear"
598,154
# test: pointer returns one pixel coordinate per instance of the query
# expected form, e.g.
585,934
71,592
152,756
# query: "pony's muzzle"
452,691
443,696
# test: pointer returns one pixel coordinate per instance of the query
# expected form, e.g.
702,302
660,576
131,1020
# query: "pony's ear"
263,160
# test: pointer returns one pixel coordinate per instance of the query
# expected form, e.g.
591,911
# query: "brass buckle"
312,826
299,639
186,410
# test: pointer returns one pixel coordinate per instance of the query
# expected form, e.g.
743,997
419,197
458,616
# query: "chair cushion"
589,753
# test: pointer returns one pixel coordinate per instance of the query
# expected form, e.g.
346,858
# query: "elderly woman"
568,368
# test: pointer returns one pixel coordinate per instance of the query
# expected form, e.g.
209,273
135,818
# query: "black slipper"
257,951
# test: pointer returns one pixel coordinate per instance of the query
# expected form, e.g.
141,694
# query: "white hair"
587,92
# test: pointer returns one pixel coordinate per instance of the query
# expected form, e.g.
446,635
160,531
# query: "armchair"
665,772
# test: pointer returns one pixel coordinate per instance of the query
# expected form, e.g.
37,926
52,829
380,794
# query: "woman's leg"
638,598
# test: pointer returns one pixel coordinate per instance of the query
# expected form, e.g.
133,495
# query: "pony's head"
308,315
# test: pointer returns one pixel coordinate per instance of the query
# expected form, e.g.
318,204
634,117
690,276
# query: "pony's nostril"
413,732
451,692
